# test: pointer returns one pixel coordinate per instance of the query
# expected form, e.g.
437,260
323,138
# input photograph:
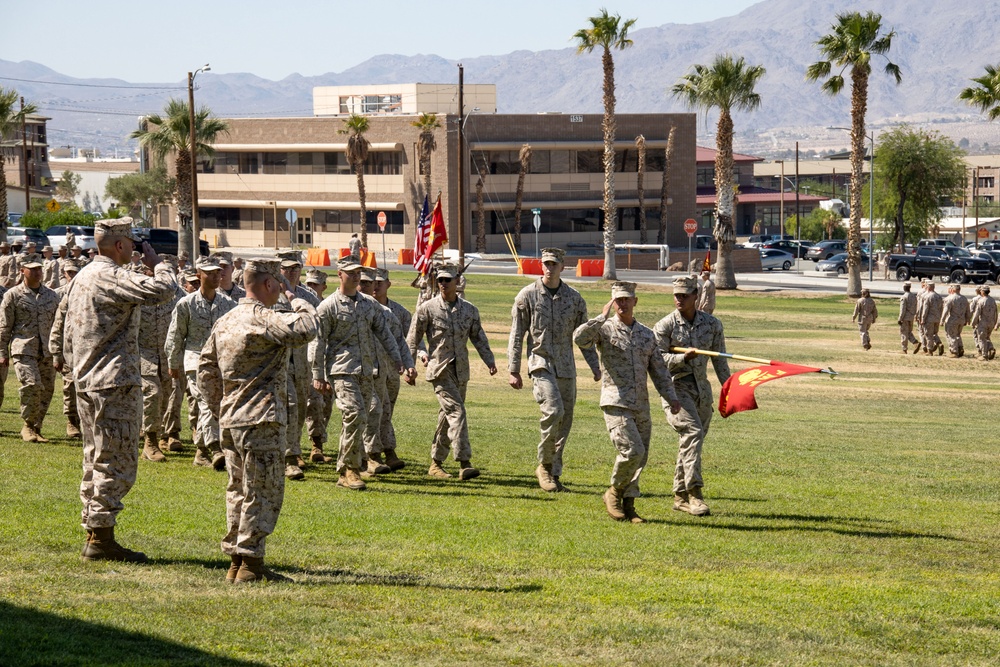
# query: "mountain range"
938,46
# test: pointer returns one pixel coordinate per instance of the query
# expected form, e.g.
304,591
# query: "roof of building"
708,155
755,195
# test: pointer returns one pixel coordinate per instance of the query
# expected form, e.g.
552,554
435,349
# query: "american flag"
420,262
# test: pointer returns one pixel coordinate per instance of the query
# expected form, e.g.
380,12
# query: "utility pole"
24,158
798,213
193,147
461,166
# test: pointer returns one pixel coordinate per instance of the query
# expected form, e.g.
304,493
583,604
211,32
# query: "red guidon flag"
438,235
707,264
737,392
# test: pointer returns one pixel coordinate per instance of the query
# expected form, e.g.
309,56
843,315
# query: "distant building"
94,172
32,150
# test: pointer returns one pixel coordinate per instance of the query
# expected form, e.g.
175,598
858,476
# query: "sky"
160,42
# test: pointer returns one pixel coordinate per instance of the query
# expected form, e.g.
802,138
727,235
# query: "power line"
92,85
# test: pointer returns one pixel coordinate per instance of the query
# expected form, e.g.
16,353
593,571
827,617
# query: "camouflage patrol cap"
906,283
553,255
621,288
381,275
866,292
136,253
207,264
685,285
290,258
315,276
446,270
69,266
169,259
986,289
367,274
31,244
117,228
31,261
47,248
349,263
4,244
266,265
223,257
190,275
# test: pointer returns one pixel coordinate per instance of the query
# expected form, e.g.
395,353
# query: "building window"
347,105
706,177
348,222
389,163
381,103
986,182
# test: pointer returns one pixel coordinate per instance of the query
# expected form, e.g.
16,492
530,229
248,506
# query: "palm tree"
355,126
11,116
480,212
525,158
727,85
856,37
661,235
607,32
170,133
640,146
426,144
986,95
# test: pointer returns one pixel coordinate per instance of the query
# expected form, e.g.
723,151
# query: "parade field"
855,521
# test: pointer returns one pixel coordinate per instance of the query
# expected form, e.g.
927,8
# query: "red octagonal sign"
690,226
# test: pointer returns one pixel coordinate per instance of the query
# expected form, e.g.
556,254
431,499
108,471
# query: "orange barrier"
317,257
530,267
405,257
367,256
590,267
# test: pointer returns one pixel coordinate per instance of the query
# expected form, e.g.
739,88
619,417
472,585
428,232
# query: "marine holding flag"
423,232
431,234
688,327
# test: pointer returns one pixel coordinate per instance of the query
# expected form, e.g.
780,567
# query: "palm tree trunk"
359,170
3,202
859,108
481,214
661,236
640,143
425,160
608,125
183,176
724,232
525,160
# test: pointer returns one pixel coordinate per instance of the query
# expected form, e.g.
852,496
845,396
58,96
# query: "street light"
871,196
781,198
193,146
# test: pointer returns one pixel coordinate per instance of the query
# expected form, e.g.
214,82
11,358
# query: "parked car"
705,242
756,241
24,234
944,243
164,240
993,256
771,259
838,264
796,248
82,236
826,249
989,245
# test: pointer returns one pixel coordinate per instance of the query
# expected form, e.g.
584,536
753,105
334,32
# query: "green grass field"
854,522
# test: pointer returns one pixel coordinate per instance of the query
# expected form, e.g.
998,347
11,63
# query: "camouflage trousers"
906,334
319,408
172,408
929,336
69,394
37,377
109,419
376,410
353,395
154,398
387,432
691,424
953,334
206,430
863,327
255,460
452,431
630,431
4,370
298,405
983,335
556,397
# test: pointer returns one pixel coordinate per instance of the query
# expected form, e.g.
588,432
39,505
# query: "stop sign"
690,226
381,220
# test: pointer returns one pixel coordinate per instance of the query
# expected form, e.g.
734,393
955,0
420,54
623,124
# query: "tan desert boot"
613,503
437,470
545,480
350,479
252,571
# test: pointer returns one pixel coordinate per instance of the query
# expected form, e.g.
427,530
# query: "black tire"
903,273
979,281
841,270
957,276
787,265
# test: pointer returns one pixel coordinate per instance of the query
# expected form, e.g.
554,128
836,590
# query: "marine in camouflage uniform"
319,407
865,314
449,323
706,293
8,266
688,327
954,316
929,311
172,421
192,322
907,313
62,360
242,375
984,321
101,332
399,322
227,283
154,368
548,311
51,269
26,315
629,356
343,359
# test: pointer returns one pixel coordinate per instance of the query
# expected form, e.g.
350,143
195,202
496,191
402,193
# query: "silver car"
838,264
771,259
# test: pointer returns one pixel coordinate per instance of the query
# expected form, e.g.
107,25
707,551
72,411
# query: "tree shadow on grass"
31,637
858,529
334,576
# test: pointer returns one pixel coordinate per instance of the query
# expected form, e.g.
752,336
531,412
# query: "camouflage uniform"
929,311
449,327
173,402
299,387
628,356
907,313
8,270
984,321
4,370
235,293
693,390
954,316
192,322
26,320
387,433
865,314
61,355
156,385
101,332
549,321
706,296
344,355
242,375
380,435
51,273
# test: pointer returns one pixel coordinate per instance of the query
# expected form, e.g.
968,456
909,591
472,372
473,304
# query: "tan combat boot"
351,479
697,501
292,470
317,455
38,433
73,428
218,458
628,506
150,450
466,471
252,571
234,568
376,466
681,501
102,546
203,458
174,443
394,462
613,503
437,470
28,433
545,480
